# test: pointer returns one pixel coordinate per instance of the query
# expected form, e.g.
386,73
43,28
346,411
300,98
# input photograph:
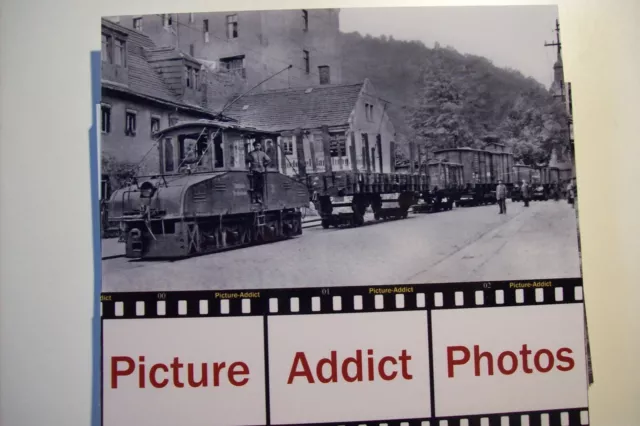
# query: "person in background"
501,196
571,192
525,193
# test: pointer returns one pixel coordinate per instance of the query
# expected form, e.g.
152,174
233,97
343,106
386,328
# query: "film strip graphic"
577,416
177,304
265,306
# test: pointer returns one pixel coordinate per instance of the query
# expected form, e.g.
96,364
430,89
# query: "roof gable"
305,107
143,79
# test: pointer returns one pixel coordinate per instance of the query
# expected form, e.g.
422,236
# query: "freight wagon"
481,171
344,190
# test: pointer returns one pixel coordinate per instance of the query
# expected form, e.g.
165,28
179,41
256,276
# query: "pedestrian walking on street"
571,192
501,196
525,193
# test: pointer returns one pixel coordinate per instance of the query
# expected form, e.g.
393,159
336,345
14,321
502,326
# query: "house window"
287,145
106,48
137,24
305,20
373,159
232,26
205,30
155,125
325,74
338,145
234,64
369,111
192,18
167,20
192,49
168,155
307,67
130,123
119,53
173,120
105,122
191,77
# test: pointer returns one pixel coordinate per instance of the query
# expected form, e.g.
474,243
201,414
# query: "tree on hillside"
534,126
445,98
438,119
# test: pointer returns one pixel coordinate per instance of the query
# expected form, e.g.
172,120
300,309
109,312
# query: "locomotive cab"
204,199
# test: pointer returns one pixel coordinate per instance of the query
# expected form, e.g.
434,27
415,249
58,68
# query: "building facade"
145,89
254,44
362,136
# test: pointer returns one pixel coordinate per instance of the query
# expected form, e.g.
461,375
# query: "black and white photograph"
336,147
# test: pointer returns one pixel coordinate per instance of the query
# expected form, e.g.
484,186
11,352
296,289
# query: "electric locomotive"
205,198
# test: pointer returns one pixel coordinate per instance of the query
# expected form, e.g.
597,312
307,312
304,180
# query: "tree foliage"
443,98
118,172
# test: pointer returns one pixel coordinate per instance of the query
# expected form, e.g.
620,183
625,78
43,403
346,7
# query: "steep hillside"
442,98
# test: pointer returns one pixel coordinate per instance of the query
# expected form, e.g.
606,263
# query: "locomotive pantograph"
206,197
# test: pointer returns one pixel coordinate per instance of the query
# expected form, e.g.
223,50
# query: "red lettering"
217,368
477,356
175,368
451,362
381,371
238,369
122,366
306,371
508,362
370,368
358,363
350,369
567,359
141,372
152,376
404,359
525,352
115,372
203,376
550,360
514,363
333,367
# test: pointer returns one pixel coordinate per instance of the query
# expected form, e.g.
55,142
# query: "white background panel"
316,335
194,340
496,330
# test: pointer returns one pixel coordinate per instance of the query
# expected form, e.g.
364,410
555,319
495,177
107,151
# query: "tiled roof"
143,79
288,109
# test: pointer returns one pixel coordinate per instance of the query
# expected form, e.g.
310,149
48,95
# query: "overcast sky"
510,36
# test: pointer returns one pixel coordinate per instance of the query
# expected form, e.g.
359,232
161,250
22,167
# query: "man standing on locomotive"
258,161
501,196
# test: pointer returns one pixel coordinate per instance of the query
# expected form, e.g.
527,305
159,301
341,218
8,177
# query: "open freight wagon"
350,175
